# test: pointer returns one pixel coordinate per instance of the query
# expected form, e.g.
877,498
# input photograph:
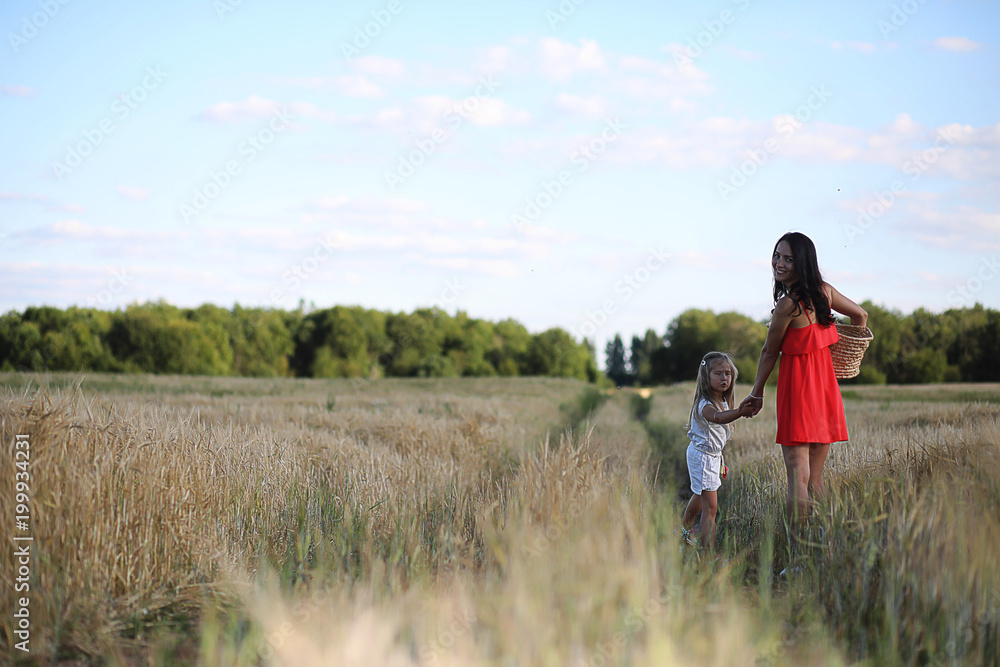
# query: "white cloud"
593,106
964,228
17,196
439,112
135,193
956,44
17,91
560,61
905,126
356,86
115,241
862,47
371,204
234,112
256,107
498,268
74,229
660,82
379,66
740,54
393,116
904,144
492,112
349,85
495,59
679,52
477,248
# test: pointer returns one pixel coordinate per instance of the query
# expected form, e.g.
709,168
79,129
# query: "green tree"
331,343
694,332
640,356
415,345
160,338
510,347
261,342
554,353
467,344
615,367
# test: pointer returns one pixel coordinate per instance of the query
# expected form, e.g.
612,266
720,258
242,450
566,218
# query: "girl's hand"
752,406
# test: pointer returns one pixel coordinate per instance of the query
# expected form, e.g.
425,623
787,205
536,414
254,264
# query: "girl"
708,431
809,406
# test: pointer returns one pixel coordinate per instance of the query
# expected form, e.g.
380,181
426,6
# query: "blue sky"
600,167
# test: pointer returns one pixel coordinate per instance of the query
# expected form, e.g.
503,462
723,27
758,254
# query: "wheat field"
516,521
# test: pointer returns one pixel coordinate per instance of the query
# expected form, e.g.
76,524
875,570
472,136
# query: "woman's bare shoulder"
785,306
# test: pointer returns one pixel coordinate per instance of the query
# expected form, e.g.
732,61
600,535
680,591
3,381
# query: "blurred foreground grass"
516,521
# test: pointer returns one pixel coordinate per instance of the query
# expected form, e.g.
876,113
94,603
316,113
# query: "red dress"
809,405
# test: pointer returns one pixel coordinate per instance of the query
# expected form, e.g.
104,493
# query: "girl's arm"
841,304
713,414
772,345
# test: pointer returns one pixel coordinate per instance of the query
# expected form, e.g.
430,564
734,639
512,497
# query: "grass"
230,521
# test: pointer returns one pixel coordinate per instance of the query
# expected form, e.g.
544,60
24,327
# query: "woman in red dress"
809,406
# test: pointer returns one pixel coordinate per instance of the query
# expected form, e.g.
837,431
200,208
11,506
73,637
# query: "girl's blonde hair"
703,387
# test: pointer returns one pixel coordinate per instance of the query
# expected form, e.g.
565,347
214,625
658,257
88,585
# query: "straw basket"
847,351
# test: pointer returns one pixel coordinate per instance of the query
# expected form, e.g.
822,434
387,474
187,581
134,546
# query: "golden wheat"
233,521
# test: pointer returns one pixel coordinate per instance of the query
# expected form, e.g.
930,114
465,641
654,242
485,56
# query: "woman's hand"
751,405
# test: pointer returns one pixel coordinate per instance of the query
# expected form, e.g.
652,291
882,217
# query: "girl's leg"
692,511
709,507
797,469
817,458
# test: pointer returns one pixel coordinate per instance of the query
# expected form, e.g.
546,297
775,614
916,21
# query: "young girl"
708,431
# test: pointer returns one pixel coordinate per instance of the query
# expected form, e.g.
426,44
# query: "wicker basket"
848,351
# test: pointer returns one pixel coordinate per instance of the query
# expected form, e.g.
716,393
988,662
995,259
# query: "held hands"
751,406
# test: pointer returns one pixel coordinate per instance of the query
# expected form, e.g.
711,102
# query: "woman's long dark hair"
808,289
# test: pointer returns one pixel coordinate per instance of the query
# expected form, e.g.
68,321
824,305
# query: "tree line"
342,341
958,345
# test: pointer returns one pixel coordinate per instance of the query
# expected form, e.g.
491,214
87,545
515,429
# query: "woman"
809,406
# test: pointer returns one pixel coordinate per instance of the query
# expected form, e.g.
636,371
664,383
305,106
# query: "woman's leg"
709,508
797,469
817,459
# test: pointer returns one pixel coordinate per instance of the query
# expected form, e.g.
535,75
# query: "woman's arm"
772,344
843,305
